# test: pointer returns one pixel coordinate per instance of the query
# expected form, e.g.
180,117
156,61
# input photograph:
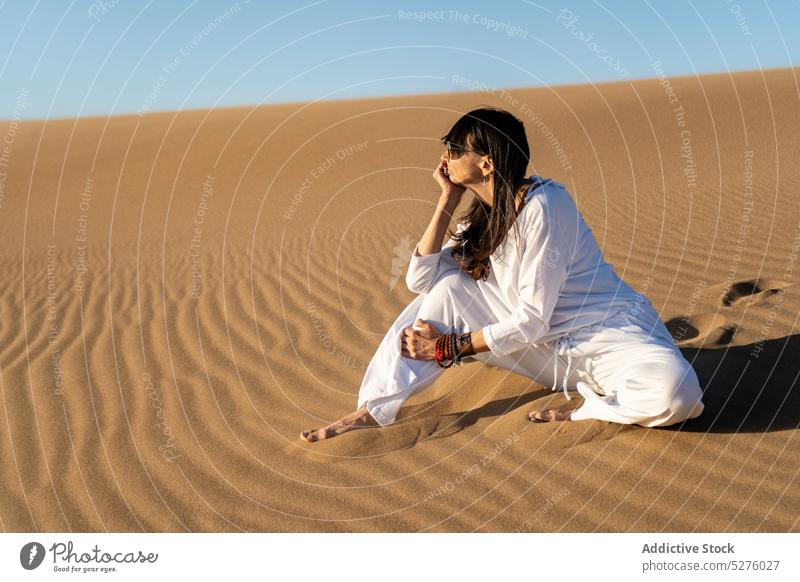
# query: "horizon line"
391,96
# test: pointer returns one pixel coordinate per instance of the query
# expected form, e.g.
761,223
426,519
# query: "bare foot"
549,415
358,419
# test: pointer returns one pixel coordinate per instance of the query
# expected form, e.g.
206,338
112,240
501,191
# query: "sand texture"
183,293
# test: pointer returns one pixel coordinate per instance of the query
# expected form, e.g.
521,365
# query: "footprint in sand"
753,291
742,293
714,329
701,329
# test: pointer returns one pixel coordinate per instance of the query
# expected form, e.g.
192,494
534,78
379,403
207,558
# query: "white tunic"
550,300
551,281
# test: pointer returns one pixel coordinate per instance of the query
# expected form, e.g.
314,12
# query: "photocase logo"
31,555
402,257
551,257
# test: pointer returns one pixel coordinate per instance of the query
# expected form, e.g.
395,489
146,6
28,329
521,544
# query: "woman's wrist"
453,347
465,348
449,202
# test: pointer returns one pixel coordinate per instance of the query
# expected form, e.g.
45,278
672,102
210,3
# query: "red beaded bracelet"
442,351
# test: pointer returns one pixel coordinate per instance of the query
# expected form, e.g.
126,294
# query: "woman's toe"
544,416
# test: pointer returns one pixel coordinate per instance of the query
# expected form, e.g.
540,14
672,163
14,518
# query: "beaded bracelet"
442,345
450,346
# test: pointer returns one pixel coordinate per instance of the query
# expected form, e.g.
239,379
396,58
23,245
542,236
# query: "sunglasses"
455,150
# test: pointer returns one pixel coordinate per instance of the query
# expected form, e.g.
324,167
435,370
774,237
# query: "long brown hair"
495,132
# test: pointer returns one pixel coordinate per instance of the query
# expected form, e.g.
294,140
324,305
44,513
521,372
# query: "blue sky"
99,57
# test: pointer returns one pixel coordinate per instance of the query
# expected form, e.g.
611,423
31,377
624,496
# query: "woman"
541,301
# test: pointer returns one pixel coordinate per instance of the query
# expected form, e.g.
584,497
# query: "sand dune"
184,292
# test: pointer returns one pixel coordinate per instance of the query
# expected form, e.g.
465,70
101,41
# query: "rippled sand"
184,293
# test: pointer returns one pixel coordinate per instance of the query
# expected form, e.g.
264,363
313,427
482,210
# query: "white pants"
627,367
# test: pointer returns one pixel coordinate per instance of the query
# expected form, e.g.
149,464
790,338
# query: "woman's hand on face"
451,191
419,343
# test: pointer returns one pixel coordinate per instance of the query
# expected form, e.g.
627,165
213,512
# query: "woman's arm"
477,344
544,266
426,254
419,342
431,241
423,266
449,200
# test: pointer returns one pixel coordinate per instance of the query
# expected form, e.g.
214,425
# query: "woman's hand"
451,192
419,343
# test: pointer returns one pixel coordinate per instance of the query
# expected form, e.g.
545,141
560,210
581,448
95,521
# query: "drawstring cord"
566,342
562,343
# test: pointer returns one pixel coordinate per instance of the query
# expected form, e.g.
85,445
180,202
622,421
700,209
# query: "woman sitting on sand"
542,302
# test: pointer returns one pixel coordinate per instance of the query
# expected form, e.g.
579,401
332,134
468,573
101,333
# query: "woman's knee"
681,398
450,291
450,279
